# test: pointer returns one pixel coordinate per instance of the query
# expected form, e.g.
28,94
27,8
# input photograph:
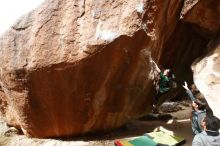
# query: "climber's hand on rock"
185,86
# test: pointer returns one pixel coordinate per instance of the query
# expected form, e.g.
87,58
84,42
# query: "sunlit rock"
75,67
207,76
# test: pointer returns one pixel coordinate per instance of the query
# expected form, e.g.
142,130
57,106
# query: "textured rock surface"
207,76
204,16
72,67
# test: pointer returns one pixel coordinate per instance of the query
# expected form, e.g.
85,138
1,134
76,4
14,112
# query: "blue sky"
11,10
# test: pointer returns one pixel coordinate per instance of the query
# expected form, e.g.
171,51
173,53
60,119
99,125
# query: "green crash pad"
160,137
143,140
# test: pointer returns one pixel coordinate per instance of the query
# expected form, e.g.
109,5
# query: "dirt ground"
179,124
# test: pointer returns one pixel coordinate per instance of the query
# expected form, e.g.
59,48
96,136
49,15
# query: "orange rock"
74,67
204,16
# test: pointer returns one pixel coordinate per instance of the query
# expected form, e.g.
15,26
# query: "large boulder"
204,15
207,76
73,66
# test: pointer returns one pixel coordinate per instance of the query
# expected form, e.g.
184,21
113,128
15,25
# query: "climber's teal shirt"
163,83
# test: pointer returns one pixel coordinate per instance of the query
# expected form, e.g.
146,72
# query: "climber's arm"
157,68
189,93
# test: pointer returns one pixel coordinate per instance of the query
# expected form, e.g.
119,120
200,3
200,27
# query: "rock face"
73,67
204,16
207,76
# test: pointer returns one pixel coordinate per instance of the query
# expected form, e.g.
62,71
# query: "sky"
11,10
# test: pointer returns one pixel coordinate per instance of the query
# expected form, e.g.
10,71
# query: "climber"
210,136
198,113
163,86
